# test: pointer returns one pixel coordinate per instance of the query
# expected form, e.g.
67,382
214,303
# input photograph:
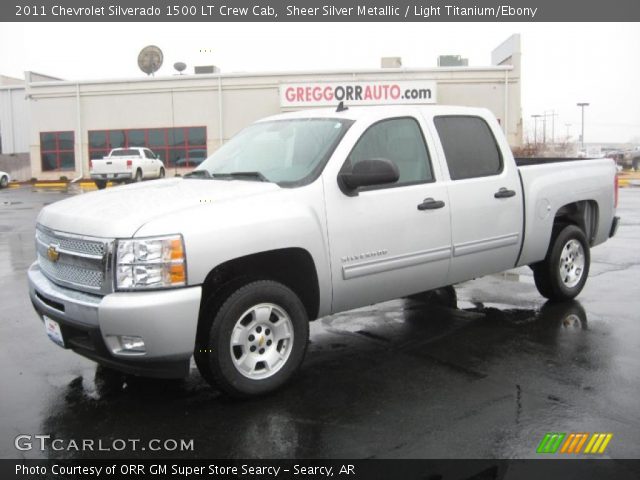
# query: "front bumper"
166,320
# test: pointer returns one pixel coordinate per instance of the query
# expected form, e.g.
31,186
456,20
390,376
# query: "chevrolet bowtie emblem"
52,253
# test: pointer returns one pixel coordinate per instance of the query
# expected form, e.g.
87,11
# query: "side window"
469,147
399,140
148,154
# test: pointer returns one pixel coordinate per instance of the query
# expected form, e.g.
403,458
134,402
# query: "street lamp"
535,128
582,105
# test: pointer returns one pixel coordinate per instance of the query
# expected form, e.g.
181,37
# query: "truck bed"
526,161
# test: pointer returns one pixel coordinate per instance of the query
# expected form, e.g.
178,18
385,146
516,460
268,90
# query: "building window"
176,147
57,151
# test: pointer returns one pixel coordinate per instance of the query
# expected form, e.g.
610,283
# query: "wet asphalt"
485,375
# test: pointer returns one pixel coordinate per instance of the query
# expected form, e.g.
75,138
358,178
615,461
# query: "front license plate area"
53,331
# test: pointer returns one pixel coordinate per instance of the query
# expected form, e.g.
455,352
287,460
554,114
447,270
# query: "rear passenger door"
390,240
485,196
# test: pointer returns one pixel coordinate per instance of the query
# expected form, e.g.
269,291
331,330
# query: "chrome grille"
81,263
71,274
72,244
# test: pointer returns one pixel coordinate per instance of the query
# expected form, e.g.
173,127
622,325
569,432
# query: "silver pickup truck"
303,215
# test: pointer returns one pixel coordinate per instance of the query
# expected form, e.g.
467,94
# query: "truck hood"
121,211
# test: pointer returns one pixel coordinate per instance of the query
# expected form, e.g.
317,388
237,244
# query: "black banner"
320,469
319,11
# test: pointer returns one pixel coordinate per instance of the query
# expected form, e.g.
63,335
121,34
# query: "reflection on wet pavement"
480,371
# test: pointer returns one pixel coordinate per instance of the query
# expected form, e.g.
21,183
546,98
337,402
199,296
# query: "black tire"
101,184
162,173
214,356
546,274
4,182
138,176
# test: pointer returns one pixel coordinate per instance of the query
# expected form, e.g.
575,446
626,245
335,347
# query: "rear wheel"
101,184
138,176
564,271
4,181
256,340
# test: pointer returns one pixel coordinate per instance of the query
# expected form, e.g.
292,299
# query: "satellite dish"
150,59
180,67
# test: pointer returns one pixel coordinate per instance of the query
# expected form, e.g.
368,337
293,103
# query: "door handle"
504,193
430,204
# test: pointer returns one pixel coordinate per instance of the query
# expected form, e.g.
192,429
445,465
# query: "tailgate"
110,165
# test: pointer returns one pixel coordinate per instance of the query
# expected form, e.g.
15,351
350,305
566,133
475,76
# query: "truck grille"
74,261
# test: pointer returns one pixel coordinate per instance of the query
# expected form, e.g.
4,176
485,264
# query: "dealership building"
51,127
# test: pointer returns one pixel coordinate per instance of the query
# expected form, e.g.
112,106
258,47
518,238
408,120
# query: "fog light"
132,344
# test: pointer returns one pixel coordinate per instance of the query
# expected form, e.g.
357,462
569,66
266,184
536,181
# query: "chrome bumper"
167,321
111,176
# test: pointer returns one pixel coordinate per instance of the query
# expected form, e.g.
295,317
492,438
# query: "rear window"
127,152
469,146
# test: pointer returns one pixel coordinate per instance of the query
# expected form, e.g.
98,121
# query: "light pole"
582,105
535,128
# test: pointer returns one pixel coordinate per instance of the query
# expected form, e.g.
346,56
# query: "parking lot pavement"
485,378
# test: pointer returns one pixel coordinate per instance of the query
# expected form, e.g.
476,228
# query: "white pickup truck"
300,216
125,165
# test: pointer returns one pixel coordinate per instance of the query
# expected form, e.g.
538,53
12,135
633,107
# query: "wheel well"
292,267
583,214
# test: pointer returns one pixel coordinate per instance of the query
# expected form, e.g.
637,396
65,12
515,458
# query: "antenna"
341,107
180,67
150,59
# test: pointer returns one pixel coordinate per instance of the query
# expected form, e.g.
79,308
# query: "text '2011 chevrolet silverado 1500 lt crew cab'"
299,216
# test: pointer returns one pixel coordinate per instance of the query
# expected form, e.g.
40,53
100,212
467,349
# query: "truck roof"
363,112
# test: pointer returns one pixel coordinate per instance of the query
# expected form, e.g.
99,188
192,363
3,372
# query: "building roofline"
215,76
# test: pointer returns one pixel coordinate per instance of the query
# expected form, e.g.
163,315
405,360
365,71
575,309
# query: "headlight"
157,262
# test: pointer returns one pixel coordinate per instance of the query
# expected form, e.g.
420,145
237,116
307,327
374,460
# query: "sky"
562,63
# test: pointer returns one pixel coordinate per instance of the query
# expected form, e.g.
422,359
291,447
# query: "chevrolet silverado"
303,215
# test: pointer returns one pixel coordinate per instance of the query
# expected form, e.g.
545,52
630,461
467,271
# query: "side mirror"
368,173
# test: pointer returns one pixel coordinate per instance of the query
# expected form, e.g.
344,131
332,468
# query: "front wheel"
564,271
161,174
4,181
257,340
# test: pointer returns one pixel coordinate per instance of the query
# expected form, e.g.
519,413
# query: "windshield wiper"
198,174
243,175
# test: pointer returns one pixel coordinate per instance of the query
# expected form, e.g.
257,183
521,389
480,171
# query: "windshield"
287,152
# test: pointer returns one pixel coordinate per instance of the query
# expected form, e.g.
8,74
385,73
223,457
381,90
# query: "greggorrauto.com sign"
374,92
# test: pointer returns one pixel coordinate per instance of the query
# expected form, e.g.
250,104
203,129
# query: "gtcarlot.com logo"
591,443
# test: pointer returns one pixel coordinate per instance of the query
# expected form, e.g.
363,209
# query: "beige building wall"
226,103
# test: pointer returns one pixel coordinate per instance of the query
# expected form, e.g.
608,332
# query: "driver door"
391,240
